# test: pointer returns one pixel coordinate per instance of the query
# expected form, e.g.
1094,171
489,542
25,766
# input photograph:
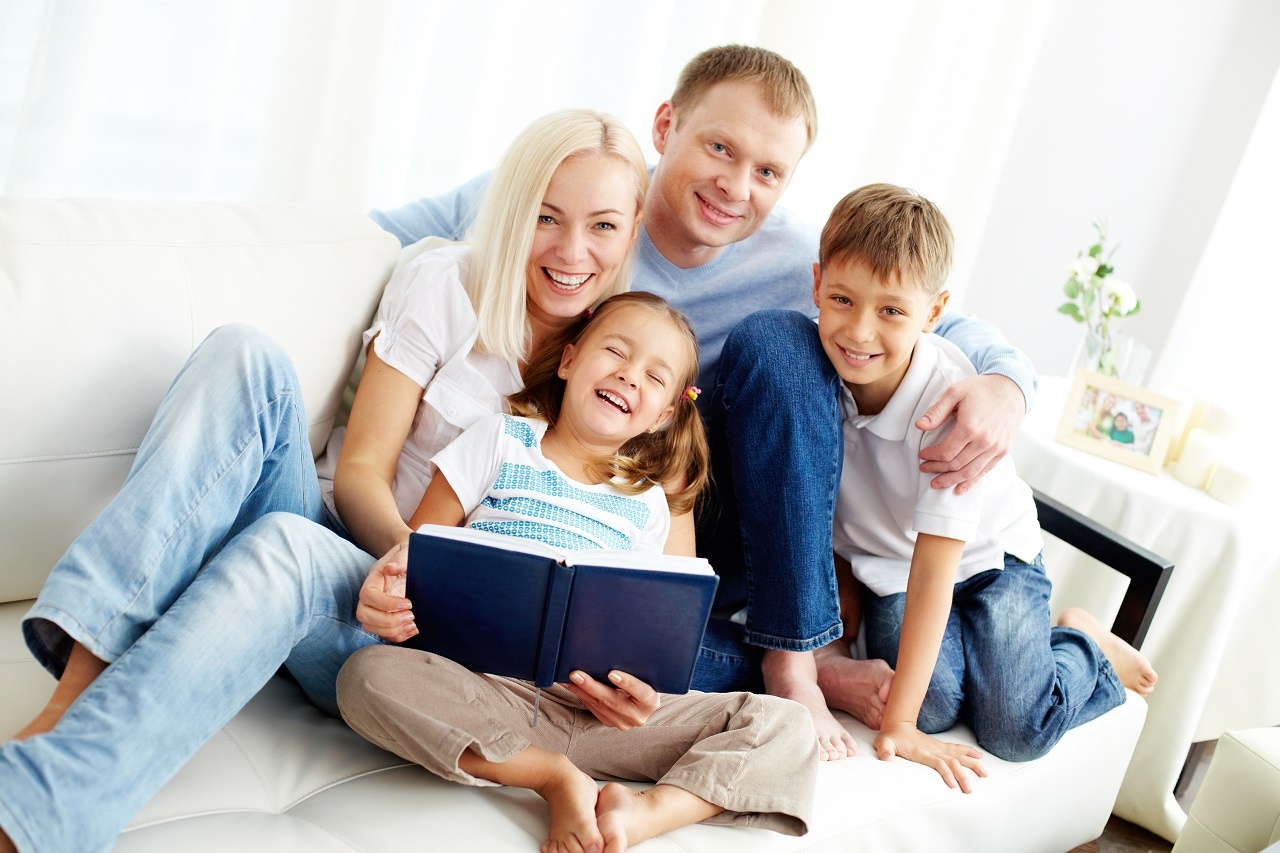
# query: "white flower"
1120,295
1084,268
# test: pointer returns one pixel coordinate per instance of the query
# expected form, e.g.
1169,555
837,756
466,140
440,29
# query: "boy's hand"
628,703
949,759
988,411
383,610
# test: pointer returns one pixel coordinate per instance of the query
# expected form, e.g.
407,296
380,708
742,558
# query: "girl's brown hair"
674,456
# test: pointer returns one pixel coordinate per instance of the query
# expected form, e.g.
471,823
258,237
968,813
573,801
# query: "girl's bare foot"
1131,665
82,668
794,675
571,797
860,687
627,817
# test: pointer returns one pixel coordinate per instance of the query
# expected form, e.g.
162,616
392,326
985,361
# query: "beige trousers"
754,756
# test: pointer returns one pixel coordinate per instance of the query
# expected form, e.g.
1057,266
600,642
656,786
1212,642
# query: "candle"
1200,453
1230,483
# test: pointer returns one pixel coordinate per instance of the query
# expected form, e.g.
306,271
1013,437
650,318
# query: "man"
714,244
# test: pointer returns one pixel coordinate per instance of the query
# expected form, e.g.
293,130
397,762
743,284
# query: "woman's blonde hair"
675,455
502,234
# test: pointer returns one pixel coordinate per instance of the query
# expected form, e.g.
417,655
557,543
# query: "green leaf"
1090,296
1072,310
1071,288
1105,270
1095,250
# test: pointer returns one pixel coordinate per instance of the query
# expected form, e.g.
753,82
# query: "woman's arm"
381,417
929,589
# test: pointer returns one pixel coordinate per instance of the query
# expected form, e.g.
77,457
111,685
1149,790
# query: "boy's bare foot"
627,817
794,675
571,797
81,670
860,687
1131,665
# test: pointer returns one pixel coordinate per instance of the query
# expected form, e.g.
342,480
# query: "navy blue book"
519,608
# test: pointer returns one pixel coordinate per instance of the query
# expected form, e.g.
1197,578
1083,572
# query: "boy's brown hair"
895,231
784,88
674,455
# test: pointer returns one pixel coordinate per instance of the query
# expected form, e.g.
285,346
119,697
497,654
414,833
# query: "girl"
222,557
600,426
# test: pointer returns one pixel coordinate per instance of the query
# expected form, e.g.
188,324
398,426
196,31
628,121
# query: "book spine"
560,584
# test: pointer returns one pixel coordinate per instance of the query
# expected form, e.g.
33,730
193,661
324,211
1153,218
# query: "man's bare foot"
1131,665
81,670
627,817
794,675
860,687
571,797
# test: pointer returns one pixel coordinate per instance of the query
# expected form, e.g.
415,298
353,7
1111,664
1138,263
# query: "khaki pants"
755,756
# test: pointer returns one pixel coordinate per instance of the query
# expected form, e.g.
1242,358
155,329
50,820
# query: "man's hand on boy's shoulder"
988,410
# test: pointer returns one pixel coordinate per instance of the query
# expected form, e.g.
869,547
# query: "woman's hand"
383,609
628,703
989,410
949,759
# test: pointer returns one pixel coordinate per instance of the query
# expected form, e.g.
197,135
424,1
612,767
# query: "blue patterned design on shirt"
528,479
519,430
524,507
550,534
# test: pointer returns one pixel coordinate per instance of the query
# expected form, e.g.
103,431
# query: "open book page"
588,557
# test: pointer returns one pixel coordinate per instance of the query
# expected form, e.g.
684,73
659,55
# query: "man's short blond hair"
784,88
895,231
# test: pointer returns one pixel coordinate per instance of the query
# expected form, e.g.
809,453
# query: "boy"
959,601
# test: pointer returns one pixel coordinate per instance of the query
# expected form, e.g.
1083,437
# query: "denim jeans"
207,572
776,449
1018,682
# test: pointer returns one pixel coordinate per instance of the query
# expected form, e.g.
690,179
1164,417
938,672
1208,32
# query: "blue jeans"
776,449
207,572
1018,682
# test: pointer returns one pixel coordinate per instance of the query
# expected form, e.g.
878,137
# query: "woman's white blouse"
426,328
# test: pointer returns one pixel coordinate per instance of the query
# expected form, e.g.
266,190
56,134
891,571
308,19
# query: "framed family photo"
1118,421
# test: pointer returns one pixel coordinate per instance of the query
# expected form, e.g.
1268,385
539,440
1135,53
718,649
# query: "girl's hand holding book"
628,703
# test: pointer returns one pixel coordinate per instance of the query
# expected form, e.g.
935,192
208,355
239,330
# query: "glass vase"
1096,352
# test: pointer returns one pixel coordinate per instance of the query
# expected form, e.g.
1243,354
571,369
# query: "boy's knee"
1018,741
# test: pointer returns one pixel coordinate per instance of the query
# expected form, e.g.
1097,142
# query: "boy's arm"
448,215
929,588
988,408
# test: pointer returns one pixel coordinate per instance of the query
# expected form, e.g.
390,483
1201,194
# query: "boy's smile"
869,327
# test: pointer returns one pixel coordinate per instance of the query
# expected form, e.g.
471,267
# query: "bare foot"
794,675
1131,665
571,796
81,670
860,687
627,817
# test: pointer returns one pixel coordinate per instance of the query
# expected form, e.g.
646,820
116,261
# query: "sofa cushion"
102,301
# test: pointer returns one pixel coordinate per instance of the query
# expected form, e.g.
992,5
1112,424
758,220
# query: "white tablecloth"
1215,641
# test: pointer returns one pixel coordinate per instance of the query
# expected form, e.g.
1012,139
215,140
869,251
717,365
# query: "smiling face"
621,377
726,158
869,327
586,225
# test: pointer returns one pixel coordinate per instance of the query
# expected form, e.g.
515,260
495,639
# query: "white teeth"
615,399
855,357
566,280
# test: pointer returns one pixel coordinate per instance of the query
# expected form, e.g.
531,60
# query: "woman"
209,570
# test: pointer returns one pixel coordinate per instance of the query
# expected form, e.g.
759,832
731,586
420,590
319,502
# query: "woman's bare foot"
627,817
82,668
794,675
1131,665
860,687
571,797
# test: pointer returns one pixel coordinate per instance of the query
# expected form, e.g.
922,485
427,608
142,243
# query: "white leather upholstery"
100,301
1237,809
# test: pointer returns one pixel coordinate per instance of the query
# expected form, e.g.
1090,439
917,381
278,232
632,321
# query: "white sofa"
100,302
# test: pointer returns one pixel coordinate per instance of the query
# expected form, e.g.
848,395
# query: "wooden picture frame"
1118,421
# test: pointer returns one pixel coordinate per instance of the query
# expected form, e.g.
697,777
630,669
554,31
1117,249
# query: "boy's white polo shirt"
884,500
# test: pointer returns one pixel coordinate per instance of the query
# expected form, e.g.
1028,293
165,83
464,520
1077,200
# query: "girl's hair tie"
692,392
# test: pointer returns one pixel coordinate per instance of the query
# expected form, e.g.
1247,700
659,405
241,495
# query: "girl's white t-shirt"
426,328
498,472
